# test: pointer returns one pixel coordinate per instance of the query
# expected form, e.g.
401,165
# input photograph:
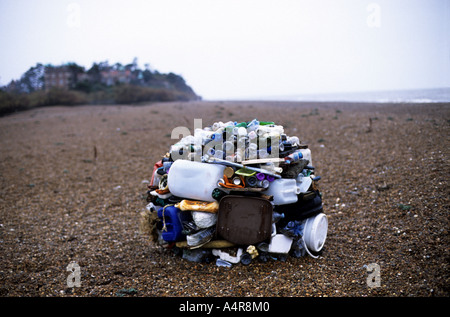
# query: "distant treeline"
70,84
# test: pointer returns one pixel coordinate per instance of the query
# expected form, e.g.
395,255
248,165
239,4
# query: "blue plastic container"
172,217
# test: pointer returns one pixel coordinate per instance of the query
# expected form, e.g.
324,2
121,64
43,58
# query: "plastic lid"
316,232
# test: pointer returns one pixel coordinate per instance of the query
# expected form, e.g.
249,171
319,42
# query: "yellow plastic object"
245,172
195,205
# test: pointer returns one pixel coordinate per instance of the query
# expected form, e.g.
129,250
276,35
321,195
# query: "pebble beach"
73,184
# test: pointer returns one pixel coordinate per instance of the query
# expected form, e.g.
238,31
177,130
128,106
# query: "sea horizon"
429,95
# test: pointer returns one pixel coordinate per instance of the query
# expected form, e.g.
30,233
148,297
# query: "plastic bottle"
263,183
263,247
293,229
218,194
217,137
230,158
260,176
219,154
241,131
261,130
306,155
253,125
166,166
151,207
276,216
217,125
241,143
242,124
251,181
297,249
240,155
251,151
223,263
228,147
229,130
194,148
266,123
178,150
252,135
236,181
262,153
194,180
293,140
294,157
202,136
246,258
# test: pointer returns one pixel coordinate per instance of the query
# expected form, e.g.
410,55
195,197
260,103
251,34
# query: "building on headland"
57,77
111,77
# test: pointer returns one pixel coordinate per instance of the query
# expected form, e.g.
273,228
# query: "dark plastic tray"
244,220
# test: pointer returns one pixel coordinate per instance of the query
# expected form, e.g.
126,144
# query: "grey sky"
239,48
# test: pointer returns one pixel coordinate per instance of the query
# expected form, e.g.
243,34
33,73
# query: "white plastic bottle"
194,180
306,155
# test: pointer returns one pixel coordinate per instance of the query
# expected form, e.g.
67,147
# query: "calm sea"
394,96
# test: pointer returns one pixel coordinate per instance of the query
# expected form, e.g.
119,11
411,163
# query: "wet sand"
72,190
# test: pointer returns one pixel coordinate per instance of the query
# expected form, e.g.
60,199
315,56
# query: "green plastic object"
242,124
245,172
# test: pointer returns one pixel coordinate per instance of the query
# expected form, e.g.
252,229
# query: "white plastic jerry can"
194,180
284,191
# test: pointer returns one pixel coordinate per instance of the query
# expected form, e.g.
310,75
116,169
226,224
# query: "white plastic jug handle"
307,250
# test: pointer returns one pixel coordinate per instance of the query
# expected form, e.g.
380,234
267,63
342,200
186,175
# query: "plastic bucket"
315,232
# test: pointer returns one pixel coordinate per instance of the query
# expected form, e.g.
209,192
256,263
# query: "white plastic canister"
315,232
280,243
284,191
194,180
